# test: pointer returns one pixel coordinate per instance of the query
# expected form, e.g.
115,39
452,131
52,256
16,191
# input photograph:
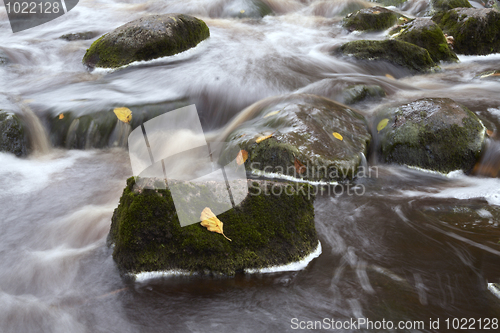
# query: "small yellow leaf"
389,76
242,157
382,124
211,222
271,113
123,114
376,12
61,116
262,138
338,136
299,166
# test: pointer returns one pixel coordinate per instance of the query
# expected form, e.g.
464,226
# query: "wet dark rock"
302,128
427,34
146,38
361,92
410,56
4,58
444,5
274,225
247,9
390,2
371,19
13,135
79,36
431,133
475,31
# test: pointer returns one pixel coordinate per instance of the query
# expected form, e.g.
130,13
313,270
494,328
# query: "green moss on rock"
427,34
371,19
266,230
475,31
410,56
431,133
147,38
13,136
444,5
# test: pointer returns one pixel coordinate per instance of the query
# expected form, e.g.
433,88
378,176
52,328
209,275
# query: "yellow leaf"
211,222
338,136
262,138
382,124
242,157
271,113
389,76
299,167
242,11
490,133
61,116
124,114
376,12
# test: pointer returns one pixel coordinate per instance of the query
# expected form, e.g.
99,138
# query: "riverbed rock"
303,136
430,133
361,92
475,31
146,38
79,36
444,5
274,225
371,19
396,52
13,135
247,9
427,34
395,3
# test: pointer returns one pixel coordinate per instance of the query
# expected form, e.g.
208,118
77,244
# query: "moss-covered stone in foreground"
431,133
427,34
404,54
147,38
266,230
371,19
475,31
13,137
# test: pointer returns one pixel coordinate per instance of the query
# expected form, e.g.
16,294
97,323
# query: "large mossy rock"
303,143
396,52
431,133
371,19
427,34
475,31
13,135
444,5
146,38
274,225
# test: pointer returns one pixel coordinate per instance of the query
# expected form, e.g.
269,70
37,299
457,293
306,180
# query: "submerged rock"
13,136
444,5
371,19
274,225
361,92
304,136
247,9
475,31
146,38
431,133
410,56
79,36
390,2
427,34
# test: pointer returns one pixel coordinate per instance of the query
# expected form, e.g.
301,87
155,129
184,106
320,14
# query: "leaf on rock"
389,76
338,136
123,114
382,124
211,222
242,157
299,166
61,116
262,138
490,133
271,113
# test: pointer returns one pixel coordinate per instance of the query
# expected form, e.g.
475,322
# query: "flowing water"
414,246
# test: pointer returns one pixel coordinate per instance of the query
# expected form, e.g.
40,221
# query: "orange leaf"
211,222
299,166
490,133
61,116
242,157
262,138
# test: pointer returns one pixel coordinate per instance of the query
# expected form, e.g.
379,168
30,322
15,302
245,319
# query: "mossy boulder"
396,52
146,38
361,92
302,143
444,5
427,34
13,135
371,19
431,133
267,229
475,31
247,9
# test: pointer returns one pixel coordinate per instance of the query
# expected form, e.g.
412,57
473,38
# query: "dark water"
412,247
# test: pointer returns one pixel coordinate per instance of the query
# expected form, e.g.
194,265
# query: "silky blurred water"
414,246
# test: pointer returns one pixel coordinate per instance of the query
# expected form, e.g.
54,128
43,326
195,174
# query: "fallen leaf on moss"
299,166
242,157
123,114
262,138
271,113
61,116
382,124
338,136
211,222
